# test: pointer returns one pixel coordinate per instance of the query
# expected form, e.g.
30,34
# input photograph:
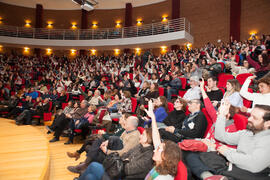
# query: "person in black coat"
194,125
138,161
175,119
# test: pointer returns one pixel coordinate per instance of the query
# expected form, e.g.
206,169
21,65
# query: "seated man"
98,150
250,159
130,137
77,114
212,91
194,125
194,92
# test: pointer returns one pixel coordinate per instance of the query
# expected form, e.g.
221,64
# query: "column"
175,15
84,25
235,19
38,24
128,20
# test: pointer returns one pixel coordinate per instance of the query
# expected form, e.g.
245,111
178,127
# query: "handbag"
193,145
113,165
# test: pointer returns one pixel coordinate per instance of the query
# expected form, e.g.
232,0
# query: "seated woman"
152,93
161,112
240,69
232,93
107,98
262,67
112,106
174,118
123,106
262,98
142,92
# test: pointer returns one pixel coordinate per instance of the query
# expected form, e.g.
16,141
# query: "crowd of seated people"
182,96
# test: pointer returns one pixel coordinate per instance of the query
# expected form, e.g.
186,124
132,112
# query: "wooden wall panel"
255,16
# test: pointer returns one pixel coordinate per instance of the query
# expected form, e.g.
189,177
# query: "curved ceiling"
69,5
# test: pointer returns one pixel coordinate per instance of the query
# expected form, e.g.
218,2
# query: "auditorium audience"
28,84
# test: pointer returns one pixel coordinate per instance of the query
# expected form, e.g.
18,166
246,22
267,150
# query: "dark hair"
184,102
265,61
233,110
214,78
119,95
266,108
164,103
170,158
156,86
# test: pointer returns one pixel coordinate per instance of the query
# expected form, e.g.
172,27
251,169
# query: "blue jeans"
94,171
170,92
195,164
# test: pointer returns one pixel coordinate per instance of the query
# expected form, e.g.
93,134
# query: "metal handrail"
181,24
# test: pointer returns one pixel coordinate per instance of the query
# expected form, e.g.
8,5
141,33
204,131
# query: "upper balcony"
153,35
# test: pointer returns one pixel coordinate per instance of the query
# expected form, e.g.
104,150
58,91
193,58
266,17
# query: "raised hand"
150,111
224,108
251,77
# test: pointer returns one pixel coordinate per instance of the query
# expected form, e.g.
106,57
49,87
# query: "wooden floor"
26,154
59,159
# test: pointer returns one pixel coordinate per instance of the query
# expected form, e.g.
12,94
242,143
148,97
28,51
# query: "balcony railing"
181,24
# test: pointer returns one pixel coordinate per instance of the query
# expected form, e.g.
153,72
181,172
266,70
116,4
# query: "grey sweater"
253,150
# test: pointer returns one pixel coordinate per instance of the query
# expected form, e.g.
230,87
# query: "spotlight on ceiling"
87,5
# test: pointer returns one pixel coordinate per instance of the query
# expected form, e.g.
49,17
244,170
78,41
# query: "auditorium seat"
223,78
209,121
240,121
170,106
161,91
242,77
181,172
